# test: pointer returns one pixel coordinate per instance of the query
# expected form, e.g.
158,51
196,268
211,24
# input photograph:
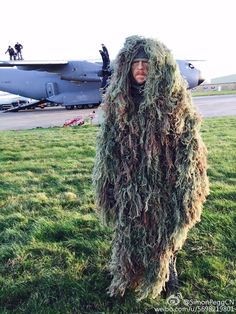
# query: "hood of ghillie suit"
150,169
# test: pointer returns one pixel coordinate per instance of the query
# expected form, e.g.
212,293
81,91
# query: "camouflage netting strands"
150,170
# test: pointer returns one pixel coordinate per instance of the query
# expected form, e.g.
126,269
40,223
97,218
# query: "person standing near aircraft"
105,57
11,52
104,49
150,168
105,67
18,48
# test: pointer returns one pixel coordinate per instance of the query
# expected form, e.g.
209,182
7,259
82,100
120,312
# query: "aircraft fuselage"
70,83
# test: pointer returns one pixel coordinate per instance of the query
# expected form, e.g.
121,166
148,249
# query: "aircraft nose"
201,79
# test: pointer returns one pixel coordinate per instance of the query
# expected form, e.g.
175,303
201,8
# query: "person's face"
139,70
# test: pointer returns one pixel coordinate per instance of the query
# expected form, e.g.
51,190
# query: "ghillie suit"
150,169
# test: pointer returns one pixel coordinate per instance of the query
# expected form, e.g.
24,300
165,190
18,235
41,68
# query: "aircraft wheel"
79,106
70,107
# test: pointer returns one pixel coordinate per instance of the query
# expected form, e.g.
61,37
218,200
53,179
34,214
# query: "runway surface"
208,106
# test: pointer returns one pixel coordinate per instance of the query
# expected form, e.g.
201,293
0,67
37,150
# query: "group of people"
150,173
15,53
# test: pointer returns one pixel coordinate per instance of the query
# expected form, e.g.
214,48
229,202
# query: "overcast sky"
75,29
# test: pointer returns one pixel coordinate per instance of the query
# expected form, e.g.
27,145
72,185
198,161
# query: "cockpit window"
191,66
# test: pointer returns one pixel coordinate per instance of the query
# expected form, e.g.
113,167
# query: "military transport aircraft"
74,84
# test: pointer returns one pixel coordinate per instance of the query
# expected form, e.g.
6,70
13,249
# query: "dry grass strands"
150,170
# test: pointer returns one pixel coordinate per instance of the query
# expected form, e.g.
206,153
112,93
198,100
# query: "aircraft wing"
50,66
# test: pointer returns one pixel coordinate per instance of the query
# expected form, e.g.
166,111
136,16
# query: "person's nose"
140,65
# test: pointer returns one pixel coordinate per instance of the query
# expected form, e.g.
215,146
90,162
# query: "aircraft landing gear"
70,107
80,106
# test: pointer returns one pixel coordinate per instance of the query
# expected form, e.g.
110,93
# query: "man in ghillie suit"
150,169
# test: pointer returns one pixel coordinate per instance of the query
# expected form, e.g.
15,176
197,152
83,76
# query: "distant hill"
224,79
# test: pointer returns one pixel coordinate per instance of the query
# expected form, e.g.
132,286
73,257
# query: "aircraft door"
51,89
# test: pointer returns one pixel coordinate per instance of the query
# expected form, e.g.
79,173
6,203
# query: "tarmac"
208,106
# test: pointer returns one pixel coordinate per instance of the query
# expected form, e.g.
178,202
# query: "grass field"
214,93
53,250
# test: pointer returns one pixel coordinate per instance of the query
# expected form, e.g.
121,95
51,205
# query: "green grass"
54,251
213,93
